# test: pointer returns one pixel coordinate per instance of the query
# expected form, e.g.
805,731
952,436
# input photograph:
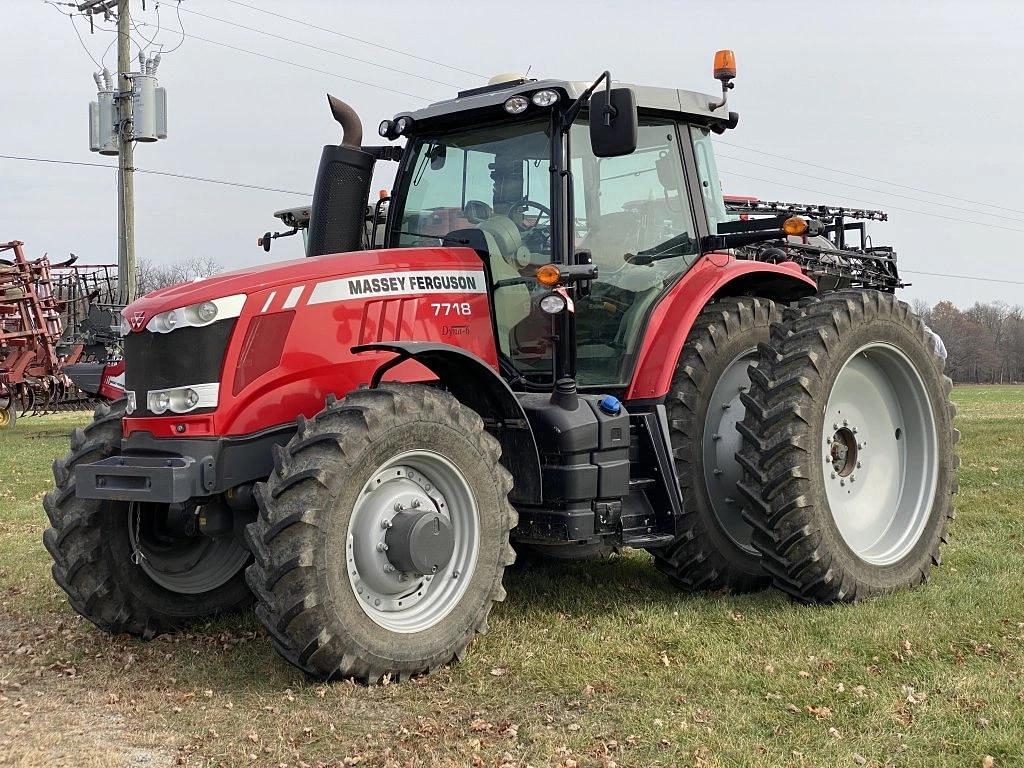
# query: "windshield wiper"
458,240
680,245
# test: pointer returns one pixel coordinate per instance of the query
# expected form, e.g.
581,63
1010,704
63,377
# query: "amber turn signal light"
725,65
794,225
548,275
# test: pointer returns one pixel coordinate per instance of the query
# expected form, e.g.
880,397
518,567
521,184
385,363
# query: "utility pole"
126,274
130,107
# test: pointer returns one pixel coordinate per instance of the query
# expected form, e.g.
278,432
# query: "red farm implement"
37,298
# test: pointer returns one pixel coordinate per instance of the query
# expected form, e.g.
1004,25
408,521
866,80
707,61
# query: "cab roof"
690,105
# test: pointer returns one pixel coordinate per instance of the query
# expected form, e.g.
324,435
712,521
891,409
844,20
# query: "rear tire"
334,604
92,547
712,550
848,449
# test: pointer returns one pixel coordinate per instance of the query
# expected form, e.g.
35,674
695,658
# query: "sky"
926,95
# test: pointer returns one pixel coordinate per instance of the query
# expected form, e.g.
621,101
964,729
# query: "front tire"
848,449
96,546
345,587
713,550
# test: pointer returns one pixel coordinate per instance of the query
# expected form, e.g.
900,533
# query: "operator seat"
507,253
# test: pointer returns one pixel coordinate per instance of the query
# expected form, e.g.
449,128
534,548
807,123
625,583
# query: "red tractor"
567,344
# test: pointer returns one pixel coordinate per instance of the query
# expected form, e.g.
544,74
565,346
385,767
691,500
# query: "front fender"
711,277
476,385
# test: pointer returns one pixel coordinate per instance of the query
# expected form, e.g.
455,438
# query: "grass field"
598,664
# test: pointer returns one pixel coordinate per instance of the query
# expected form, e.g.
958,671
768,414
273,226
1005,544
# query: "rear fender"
713,276
475,383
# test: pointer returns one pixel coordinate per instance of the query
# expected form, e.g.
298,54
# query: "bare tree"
154,276
985,343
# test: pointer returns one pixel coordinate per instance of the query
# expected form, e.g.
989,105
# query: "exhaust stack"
337,222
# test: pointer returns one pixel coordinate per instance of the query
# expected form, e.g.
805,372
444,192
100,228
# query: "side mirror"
613,122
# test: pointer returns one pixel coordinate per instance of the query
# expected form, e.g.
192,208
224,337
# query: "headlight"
402,125
197,315
159,402
545,98
384,129
516,105
552,304
183,399
206,312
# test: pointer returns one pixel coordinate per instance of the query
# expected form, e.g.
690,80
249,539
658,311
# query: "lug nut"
389,568
416,503
716,436
382,547
386,523
398,506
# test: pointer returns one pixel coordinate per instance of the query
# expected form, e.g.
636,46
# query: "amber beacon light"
725,65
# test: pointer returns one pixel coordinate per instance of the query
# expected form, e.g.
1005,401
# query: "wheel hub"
844,451
420,541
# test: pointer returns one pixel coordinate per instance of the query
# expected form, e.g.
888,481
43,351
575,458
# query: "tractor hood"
258,279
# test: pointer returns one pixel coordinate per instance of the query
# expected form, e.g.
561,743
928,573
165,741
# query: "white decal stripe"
293,297
387,284
268,302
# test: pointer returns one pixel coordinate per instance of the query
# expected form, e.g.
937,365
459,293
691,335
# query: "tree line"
984,343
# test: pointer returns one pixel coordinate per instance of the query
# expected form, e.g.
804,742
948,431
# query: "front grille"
185,356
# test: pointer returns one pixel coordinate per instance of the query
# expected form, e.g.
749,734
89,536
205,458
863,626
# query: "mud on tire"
805,460
91,548
706,553
302,546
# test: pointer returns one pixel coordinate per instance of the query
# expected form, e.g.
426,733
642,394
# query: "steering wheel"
523,205
476,211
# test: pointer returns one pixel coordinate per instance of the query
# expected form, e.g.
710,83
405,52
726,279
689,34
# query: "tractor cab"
517,169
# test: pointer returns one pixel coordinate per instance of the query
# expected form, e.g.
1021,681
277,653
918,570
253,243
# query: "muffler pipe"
351,125
337,221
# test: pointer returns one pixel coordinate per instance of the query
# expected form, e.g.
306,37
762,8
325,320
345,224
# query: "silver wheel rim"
188,565
401,601
720,444
880,449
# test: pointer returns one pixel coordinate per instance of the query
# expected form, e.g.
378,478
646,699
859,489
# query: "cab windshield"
497,180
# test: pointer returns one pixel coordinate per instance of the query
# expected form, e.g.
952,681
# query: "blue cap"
610,405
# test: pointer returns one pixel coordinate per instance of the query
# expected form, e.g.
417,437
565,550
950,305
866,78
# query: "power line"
307,194
870,178
153,172
193,36
874,204
963,277
866,189
319,48
353,37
